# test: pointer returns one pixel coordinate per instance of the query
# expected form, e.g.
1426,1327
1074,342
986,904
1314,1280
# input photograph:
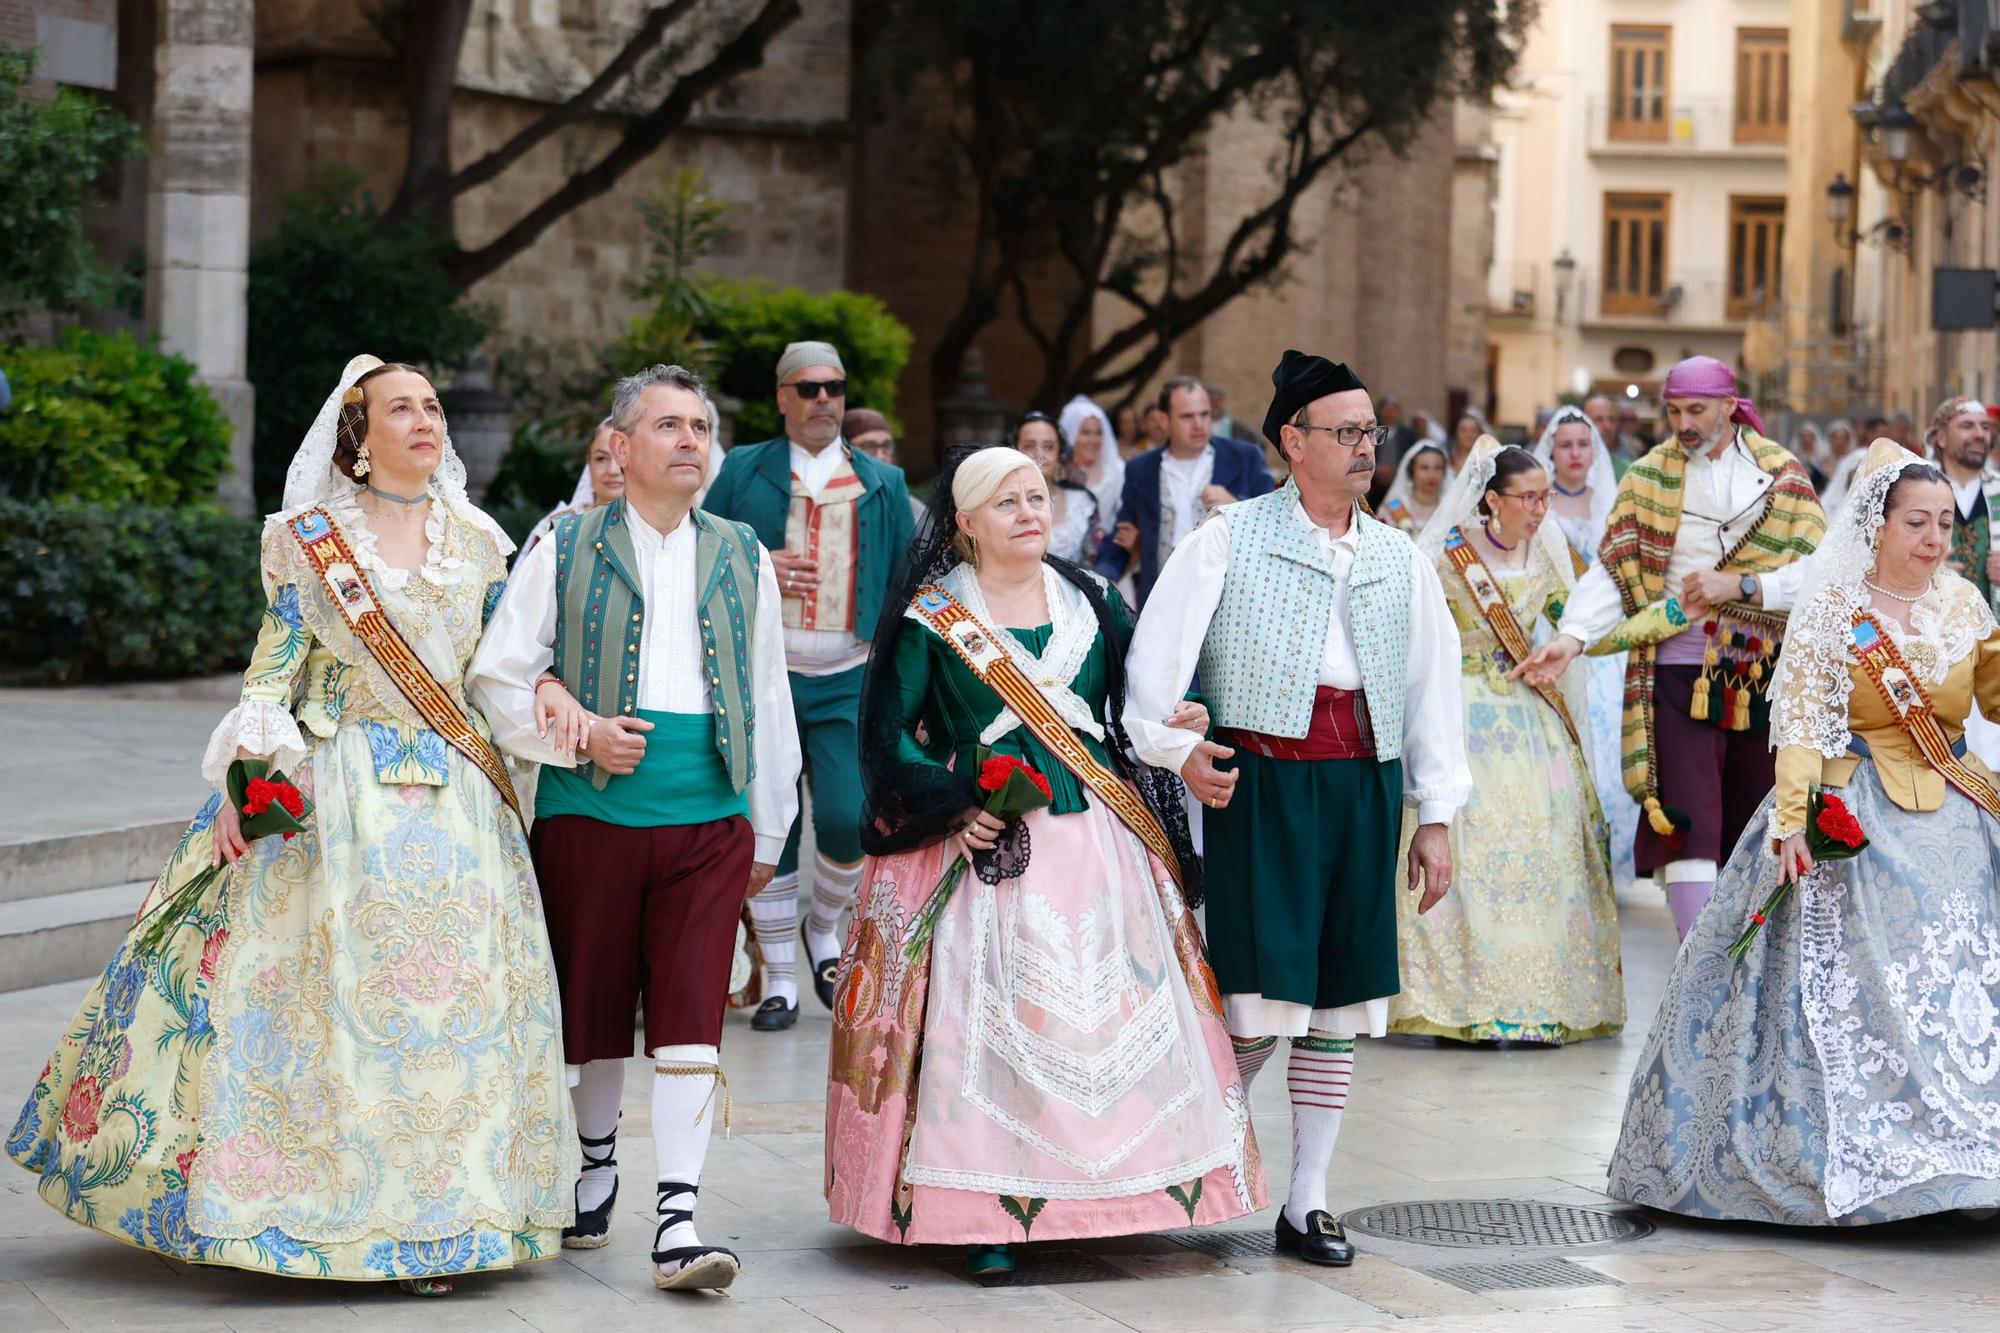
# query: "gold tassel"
721,1081
1698,705
1658,818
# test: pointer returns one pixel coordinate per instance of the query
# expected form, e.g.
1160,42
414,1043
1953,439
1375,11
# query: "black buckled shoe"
823,969
774,1015
1324,1241
592,1229
689,1267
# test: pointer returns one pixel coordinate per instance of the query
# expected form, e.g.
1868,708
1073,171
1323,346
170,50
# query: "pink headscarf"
1705,377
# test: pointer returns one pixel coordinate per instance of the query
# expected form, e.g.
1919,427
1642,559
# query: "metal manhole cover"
1226,1244
1499,1223
1520,1276
1055,1268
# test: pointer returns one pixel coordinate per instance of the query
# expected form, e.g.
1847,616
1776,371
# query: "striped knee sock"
1321,1068
775,915
1251,1053
834,886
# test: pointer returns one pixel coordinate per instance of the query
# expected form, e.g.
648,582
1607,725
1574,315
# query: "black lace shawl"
908,805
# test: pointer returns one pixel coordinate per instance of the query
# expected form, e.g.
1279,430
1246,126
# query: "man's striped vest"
1260,661
601,621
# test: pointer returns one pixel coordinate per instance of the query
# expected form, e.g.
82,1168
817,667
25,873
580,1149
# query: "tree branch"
743,52
427,57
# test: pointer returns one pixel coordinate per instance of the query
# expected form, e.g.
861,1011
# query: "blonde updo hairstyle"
977,481
351,427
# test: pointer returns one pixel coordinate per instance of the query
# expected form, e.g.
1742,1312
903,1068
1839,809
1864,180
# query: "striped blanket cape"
1638,541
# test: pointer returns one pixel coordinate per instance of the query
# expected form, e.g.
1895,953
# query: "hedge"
125,592
106,418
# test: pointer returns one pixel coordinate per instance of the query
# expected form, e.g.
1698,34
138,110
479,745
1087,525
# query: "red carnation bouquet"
1011,790
1832,834
266,802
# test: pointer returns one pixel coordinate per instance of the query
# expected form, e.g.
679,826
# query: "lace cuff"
259,726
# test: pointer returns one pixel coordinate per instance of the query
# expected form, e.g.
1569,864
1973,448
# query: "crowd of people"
1138,749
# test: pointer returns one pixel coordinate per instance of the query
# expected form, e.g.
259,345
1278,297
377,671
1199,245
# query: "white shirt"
519,645
1722,500
1167,647
1182,480
821,652
1968,492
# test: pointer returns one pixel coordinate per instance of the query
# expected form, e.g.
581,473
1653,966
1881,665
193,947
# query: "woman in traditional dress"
599,483
1052,1062
344,1060
1843,454
1094,459
1525,946
1074,525
1466,428
1843,1071
1421,477
1585,485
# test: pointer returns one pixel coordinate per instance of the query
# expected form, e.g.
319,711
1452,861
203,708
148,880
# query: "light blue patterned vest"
1260,661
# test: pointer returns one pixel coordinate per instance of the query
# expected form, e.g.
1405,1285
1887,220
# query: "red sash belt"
1339,730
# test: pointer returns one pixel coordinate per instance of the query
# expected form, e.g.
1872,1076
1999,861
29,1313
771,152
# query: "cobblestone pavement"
1427,1123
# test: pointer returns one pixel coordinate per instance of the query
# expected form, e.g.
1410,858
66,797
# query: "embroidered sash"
974,643
1492,605
333,560
1883,662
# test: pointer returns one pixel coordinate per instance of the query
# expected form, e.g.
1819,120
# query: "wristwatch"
1747,585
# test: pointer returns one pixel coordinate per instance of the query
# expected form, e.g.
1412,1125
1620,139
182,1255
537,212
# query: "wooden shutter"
1763,84
1756,240
1635,253
1639,68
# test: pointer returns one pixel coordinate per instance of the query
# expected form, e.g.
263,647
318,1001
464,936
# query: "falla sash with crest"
1883,663
976,646
1492,605
333,560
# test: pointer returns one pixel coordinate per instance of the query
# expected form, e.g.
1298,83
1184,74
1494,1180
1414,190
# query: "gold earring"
361,459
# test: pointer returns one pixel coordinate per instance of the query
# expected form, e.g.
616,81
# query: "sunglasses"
814,388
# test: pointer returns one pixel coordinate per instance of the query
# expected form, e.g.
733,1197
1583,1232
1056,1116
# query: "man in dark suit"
1169,490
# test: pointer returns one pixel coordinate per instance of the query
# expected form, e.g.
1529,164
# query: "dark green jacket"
755,487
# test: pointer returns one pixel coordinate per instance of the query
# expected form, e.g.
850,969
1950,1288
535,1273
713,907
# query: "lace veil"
1812,689
311,479
1603,478
1402,487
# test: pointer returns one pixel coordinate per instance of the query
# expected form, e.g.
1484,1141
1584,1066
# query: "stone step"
40,867
63,936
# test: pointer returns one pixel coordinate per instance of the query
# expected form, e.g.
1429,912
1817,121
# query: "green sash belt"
682,780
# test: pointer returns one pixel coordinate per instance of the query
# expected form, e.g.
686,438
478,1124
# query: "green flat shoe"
989,1265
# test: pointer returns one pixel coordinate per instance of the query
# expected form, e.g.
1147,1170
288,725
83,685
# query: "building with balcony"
1641,205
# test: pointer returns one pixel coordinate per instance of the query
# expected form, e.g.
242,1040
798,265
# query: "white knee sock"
600,1087
834,887
1689,883
689,1096
1251,1054
775,914
1321,1068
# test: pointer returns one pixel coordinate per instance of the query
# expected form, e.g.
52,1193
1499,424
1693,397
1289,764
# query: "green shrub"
539,472
53,150
331,283
748,323
106,418
125,592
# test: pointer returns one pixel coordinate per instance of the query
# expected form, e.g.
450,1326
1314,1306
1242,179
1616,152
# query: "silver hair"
625,394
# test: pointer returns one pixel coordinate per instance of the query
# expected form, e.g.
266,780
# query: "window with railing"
1639,69
1756,240
1763,84
1635,253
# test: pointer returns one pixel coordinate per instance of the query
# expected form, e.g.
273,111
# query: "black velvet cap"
1298,380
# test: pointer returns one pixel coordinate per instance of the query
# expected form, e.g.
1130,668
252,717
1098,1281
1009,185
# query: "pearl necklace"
1891,593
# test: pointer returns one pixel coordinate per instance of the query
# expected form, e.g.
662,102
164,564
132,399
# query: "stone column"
198,208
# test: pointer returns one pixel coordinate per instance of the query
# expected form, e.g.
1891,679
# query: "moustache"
1362,465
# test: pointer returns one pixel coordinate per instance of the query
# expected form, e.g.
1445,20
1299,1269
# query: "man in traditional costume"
1330,663
1698,568
1961,442
646,634
837,523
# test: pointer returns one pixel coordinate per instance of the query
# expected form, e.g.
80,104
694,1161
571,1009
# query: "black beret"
1300,379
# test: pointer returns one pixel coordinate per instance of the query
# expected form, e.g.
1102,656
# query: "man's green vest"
601,621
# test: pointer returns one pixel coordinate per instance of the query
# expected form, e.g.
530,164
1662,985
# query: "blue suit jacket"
1239,469
755,487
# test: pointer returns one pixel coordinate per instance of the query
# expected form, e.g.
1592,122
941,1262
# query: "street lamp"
1565,273
1897,126
1840,209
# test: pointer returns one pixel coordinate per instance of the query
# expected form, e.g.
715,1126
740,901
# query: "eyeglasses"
1532,499
814,388
1350,437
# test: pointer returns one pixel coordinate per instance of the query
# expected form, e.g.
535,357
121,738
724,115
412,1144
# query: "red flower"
211,949
79,1117
993,775
288,796
257,797
1836,821
185,1162
1758,917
